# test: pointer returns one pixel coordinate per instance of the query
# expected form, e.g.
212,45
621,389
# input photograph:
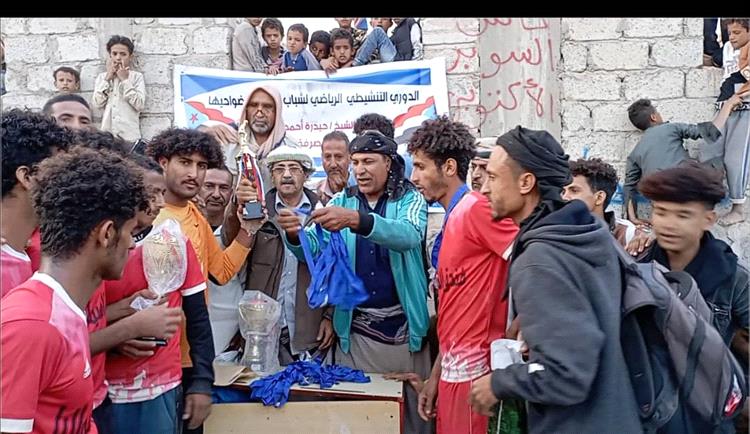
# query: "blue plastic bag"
332,279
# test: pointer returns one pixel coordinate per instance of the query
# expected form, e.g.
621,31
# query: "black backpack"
674,355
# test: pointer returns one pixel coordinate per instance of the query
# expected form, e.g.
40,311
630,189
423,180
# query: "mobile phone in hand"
158,342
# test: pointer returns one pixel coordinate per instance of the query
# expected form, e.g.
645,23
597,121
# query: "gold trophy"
247,166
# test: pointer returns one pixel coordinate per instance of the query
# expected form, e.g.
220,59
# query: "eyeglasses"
294,170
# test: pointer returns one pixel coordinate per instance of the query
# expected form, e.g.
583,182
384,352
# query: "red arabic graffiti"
531,88
526,23
515,92
509,99
488,22
460,101
526,56
531,55
551,107
467,54
551,55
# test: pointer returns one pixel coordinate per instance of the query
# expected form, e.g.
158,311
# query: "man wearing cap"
564,285
273,268
479,162
382,220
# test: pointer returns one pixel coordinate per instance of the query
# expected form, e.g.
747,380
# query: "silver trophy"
164,264
164,261
259,325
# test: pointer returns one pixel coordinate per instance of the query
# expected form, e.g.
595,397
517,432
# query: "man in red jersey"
46,378
27,139
471,257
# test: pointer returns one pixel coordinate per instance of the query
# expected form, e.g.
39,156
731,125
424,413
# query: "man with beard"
335,150
471,257
265,129
186,155
561,286
382,221
305,331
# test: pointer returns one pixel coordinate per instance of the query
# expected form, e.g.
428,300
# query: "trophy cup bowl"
164,264
259,317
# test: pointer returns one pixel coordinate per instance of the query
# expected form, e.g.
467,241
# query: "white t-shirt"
731,60
222,306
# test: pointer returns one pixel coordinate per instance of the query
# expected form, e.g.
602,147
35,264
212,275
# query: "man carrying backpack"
683,213
561,282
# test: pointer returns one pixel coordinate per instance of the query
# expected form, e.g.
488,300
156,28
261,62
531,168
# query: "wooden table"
376,407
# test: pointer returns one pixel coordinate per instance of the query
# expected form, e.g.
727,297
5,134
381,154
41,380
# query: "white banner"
313,104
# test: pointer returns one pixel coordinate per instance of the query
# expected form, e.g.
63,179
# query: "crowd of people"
257,45
527,251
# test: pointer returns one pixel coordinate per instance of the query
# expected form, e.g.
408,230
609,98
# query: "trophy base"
252,211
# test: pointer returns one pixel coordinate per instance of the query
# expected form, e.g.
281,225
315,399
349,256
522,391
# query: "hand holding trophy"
247,167
164,265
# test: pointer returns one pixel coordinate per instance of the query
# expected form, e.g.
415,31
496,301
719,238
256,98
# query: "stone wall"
501,71
608,63
37,46
596,68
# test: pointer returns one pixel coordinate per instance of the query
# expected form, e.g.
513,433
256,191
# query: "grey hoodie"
566,288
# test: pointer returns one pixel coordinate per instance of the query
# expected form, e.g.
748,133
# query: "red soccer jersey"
15,268
96,319
46,376
472,271
136,380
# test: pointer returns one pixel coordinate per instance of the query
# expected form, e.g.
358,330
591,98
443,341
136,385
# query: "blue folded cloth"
274,389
